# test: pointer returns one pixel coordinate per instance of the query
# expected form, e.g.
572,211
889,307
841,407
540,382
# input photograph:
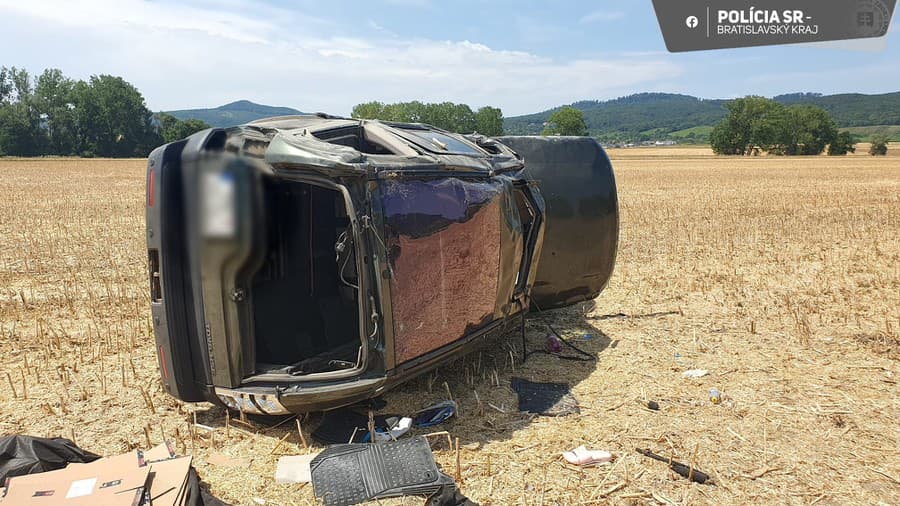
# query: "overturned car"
308,262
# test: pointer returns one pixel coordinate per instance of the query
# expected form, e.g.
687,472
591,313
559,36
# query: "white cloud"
203,54
601,15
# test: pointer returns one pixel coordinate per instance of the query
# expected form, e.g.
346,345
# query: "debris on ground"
581,456
653,405
714,396
156,477
396,427
293,469
353,473
222,460
343,426
21,455
436,414
683,470
695,373
553,344
547,399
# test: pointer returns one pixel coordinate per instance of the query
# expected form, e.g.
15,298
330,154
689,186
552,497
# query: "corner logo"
872,18
692,25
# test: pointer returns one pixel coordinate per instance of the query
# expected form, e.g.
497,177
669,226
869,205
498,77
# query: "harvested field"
781,276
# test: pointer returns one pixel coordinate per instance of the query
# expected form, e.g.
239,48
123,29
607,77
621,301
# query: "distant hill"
655,116
235,113
853,109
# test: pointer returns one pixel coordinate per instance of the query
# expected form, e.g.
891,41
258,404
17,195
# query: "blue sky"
329,55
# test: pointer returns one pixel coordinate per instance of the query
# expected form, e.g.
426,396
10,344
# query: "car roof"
295,136
311,121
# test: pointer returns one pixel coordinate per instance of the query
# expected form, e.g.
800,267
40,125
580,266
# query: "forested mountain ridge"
652,116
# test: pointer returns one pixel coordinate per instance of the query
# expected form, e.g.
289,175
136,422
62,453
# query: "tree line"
462,119
51,114
755,124
449,116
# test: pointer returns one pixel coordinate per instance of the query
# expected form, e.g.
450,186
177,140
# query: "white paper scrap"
80,488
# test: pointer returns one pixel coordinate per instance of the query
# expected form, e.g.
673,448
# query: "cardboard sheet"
167,481
115,481
161,451
293,469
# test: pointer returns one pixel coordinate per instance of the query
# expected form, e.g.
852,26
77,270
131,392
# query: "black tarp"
21,455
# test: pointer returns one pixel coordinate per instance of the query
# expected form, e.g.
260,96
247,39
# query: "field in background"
892,132
781,276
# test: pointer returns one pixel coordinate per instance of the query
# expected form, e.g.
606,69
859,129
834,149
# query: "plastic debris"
581,456
433,415
396,428
553,344
26,455
695,373
714,396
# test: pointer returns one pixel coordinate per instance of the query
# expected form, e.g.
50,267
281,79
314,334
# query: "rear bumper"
281,400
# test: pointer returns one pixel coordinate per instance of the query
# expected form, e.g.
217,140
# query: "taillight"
151,180
162,363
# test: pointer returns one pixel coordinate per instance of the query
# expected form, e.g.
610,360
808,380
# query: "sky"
328,55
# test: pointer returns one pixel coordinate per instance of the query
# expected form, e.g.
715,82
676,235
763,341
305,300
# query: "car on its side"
308,262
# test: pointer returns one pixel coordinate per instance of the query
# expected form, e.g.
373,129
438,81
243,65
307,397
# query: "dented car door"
455,249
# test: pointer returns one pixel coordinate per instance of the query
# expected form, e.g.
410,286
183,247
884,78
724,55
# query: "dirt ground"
780,276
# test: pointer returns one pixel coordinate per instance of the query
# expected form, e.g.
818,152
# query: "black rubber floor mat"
353,473
548,399
337,426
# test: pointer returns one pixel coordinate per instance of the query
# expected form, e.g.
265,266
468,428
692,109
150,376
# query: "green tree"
842,144
757,123
878,146
489,121
409,112
172,129
6,86
112,118
439,115
801,129
368,110
747,128
53,100
566,121
20,121
447,115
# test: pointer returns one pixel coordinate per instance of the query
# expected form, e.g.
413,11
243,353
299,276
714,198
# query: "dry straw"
779,275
